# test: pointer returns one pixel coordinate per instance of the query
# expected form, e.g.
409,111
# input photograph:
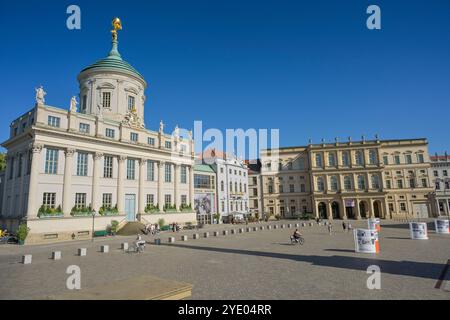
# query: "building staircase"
131,228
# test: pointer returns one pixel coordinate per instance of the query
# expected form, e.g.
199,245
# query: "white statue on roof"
73,104
40,94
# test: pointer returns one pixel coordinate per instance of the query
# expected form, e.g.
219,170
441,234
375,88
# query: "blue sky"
310,68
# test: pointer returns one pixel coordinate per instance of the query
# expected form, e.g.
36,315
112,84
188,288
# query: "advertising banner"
374,224
442,226
366,241
418,230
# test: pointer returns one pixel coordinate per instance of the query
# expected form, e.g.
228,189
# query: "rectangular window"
131,104
51,161
84,128
49,200
408,159
445,173
435,173
168,145
151,141
397,159
80,200
54,121
131,169
82,164
168,200
134,136
150,170
412,183
107,200
424,183
400,184
402,206
108,167
388,184
291,188
110,133
106,99
420,158
168,172
183,174
302,188
150,199
385,160
84,103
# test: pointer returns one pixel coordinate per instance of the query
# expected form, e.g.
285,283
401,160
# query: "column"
315,209
33,184
329,211
387,214
438,211
96,203
161,185
120,178
358,213
368,186
371,216
344,210
175,186
141,204
67,193
191,187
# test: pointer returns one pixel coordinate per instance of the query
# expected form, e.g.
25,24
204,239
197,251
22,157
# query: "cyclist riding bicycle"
297,235
139,242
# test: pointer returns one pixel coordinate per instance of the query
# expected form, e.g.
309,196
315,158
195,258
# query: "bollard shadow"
427,270
397,238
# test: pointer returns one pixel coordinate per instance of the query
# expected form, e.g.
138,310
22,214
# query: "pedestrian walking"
344,226
349,228
330,227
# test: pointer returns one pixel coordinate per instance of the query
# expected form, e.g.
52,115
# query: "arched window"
334,183
320,184
231,186
375,180
318,160
348,183
361,182
373,157
222,186
359,158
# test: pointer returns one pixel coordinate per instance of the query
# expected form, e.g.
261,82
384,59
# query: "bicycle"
136,248
299,240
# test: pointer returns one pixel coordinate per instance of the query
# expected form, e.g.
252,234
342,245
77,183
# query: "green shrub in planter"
22,233
150,208
161,223
45,211
114,226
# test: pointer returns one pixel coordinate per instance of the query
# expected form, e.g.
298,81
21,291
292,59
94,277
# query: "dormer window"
106,99
131,104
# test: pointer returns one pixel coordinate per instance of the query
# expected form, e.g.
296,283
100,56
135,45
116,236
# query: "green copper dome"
114,62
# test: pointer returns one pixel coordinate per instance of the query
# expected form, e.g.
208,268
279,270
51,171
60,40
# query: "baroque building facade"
349,180
63,165
440,175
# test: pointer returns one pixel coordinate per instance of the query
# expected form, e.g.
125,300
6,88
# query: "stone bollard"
171,239
26,259
82,252
104,248
297,225
233,231
283,226
303,224
56,255
275,226
269,227
248,229
225,232
124,246
206,235
184,238
195,236
158,241
241,230
255,228
261,228
289,225
216,233
311,224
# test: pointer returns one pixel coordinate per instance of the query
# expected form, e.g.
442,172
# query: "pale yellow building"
340,180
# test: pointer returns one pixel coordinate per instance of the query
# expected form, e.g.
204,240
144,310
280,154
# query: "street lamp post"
93,224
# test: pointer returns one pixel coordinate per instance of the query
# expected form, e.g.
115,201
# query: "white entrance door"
130,206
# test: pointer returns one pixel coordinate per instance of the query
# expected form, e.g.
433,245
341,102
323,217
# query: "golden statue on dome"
117,25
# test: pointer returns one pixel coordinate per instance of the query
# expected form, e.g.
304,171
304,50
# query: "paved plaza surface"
252,265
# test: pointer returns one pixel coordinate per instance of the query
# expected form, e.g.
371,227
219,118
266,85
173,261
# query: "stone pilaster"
176,194
161,165
67,186
120,180
33,185
96,203
191,187
141,204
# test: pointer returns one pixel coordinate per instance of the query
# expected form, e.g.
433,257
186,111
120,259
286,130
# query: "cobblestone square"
258,264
